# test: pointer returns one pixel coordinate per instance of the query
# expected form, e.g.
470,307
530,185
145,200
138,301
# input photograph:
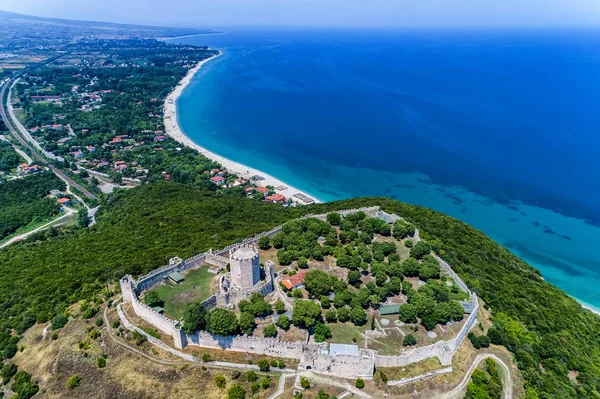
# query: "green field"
343,333
196,287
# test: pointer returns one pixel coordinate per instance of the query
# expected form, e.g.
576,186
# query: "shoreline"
173,130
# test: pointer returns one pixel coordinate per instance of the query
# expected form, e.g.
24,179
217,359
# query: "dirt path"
506,383
69,212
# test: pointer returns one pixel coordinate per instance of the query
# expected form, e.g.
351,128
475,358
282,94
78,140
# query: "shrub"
251,376
236,374
325,302
279,307
265,382
409,340
205,357
283,322
101,362
304,383
220,381
263,365
116,324
58,321
383,377
74,381
270,330
360,383
99,322
236,392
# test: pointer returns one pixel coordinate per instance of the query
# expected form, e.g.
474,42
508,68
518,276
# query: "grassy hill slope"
552,336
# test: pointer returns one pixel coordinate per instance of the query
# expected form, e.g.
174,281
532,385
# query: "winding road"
457,392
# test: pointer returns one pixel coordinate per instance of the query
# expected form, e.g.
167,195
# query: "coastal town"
61,108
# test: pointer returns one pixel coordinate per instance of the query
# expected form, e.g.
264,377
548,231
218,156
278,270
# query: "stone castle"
244,279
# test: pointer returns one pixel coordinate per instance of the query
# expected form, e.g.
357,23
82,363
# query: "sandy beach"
172,129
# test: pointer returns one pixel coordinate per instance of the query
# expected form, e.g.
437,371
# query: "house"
90,148
263,190
217,179
276,198
295,281
64,201
176,278
389,309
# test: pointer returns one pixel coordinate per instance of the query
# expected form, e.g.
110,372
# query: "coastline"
173,129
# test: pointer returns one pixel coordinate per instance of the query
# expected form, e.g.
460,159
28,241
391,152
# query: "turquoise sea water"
498,129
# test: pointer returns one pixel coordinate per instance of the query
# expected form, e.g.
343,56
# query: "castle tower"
244,264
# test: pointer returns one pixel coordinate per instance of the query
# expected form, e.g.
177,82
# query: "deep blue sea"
500,129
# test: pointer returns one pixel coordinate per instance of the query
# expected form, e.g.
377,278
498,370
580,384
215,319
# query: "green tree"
322,332
317,282
270,330
151,298
264,243
408,313
331,316
306,314
194,317
222,322
360,383
343,314
420,250
283,322
302,262
334,218
247,323
279,307
358,316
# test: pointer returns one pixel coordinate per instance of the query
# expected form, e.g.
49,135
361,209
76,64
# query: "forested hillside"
141,229
23,201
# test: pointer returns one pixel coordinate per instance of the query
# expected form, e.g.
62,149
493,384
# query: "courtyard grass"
196,287
344,333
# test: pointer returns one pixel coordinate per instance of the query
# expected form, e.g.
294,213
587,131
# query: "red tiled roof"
294,280
217,179
63,200
275,197
262,190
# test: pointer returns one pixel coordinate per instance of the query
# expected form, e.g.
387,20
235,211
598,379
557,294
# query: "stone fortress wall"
315,357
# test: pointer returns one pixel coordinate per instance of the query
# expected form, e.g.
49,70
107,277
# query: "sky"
367,13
